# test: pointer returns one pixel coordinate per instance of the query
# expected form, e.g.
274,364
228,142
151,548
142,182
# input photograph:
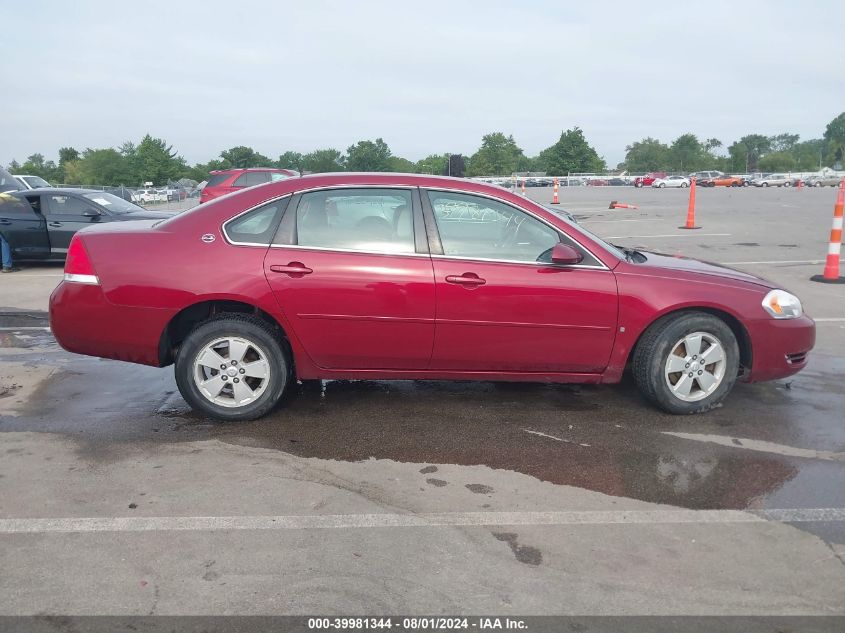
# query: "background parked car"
648,179
823,181
226,181
39,223
671,181
31,182
721,181
701,175
773,180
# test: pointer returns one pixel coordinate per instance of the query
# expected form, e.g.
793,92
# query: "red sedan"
388,276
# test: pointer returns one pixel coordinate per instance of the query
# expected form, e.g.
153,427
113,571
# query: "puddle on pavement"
601,438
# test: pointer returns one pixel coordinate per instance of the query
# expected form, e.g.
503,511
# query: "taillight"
78,267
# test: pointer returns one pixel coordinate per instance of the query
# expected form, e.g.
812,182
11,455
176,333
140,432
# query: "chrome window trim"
514,261
348,250
251,209
601,265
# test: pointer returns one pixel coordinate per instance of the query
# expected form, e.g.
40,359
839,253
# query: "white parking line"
689,234
829,320
24,329
445,519
759,445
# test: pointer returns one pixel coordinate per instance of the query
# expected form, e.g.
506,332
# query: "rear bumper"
84,322
780,348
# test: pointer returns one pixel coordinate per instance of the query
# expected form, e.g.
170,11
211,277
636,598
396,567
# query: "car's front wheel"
687,363
232,367
683,185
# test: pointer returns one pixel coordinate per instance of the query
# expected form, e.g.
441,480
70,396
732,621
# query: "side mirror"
565,254
91,213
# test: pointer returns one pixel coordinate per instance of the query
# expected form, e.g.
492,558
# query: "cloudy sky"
428,77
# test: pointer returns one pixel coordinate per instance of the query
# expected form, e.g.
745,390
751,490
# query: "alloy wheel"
695,367
231,371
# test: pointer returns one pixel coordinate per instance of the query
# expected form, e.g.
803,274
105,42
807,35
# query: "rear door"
23,227
502,305
66,214
351,272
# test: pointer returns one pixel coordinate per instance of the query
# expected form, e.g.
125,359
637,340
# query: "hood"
690,265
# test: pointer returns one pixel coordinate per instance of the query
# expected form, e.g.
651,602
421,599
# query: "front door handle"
293,268
55,224
5,222
467,279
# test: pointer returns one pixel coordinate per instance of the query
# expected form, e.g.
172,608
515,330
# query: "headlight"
782,305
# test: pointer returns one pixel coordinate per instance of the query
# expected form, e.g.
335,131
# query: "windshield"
112,203
7,181
36,181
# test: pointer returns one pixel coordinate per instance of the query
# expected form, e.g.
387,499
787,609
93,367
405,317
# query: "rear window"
217,179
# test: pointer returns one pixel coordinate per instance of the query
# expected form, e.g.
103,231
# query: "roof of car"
60,190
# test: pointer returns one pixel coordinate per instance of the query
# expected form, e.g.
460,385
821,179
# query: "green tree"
322,160
783,142
745,153
809,155
153,160
15,167
571,153
290,160
777,161
648,154
834,136
368,156
102,167
243,157
67,154
436,164
35,165
402,165
687,154
498,155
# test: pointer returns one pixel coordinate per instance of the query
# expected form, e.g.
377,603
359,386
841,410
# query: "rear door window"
368,220
66,205
217,179
257,178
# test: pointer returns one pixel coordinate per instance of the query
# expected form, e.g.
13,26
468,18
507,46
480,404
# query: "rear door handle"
5,222
55,224
293,268
467,279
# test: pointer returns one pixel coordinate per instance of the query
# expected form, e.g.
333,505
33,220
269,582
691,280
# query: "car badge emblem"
208,238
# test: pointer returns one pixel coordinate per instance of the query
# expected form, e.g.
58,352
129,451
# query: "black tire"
683,185
765,184
787,184
263,336
655,346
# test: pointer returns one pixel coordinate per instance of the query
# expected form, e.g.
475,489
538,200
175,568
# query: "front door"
503,306
349,271
23,227
65,215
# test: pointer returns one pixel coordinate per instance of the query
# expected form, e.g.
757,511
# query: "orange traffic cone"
523,186
621,205
831,266
691,209
554,196
800,183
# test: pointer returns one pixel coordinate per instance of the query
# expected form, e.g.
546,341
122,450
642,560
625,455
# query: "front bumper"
780,347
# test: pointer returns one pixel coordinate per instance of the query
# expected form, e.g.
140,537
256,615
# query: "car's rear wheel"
232,367
787,184
765,184
683,185
661,185
687,363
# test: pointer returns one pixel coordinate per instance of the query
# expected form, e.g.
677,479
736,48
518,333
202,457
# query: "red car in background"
648,179
225,181
402,276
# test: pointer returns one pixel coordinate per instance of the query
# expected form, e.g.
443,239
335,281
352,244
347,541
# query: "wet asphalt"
771,445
